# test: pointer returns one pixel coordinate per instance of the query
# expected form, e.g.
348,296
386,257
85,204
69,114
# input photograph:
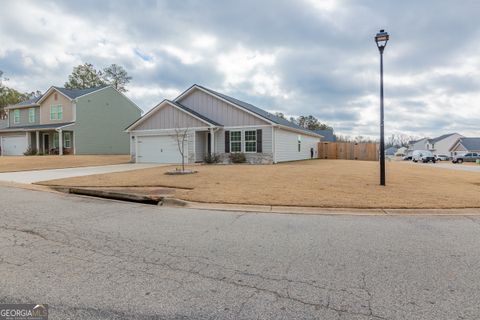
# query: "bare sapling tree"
181,137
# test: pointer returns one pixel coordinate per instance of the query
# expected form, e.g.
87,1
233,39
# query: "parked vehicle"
407,158
423,156
442,157
467,157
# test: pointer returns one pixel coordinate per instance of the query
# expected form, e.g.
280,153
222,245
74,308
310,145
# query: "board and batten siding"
169,117
286,145
219,111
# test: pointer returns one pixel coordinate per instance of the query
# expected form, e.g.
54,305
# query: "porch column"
37,133
60,142
212,141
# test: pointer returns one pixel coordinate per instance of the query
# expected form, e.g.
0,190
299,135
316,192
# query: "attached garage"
13,145
158,149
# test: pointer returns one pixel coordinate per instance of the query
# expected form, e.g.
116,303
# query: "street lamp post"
381,39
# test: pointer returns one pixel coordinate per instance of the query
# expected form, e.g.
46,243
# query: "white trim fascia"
139,109
158,107
74,110
106,87
166,131
274,149
457,144
65,126
136,149
210,125
224,100
240,127
86,94
144,117
49,92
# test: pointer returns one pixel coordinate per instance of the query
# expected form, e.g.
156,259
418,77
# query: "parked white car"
423,156
442,157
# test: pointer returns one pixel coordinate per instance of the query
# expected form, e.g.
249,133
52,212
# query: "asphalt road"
99,259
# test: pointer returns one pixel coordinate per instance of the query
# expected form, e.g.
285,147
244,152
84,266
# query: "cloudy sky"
298,57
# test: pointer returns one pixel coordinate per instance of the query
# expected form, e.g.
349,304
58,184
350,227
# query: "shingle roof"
327,135
415,141
28,102
201,116
38,126
71,93
391,151
250,107
75,93
471,144
435,140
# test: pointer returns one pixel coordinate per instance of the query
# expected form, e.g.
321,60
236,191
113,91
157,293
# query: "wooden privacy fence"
348,151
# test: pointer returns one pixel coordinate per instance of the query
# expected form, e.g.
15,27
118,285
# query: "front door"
209,143
46,146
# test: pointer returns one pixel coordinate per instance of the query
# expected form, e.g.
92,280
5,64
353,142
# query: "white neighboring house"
416,145
221,125
401,152
443,144
438,146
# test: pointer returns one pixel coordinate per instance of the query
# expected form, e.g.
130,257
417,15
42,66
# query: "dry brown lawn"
322,183
12,163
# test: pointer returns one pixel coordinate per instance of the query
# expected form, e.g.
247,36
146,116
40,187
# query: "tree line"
307,122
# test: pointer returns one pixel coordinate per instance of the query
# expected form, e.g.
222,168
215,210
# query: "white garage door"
14,146
158,149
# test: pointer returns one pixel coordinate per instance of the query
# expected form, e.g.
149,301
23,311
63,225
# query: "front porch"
51,142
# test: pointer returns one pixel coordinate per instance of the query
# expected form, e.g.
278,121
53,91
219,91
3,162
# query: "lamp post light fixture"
381,39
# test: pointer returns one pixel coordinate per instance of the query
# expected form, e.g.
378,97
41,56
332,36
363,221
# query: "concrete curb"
115,195
171,202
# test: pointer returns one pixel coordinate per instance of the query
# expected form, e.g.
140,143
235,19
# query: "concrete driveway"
452,166
97,259
42,175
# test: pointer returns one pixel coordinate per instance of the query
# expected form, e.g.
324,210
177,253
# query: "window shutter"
259,141
227,141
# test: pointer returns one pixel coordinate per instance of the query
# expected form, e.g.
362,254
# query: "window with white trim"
251,141
67,140
31,115
16,116
235,141
56,112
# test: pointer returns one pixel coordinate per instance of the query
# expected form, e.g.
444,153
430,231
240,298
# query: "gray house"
63,121
217,124
466,145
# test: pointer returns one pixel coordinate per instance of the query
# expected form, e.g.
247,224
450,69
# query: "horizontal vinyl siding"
101,121
286,145
218,110
169,117
24,117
